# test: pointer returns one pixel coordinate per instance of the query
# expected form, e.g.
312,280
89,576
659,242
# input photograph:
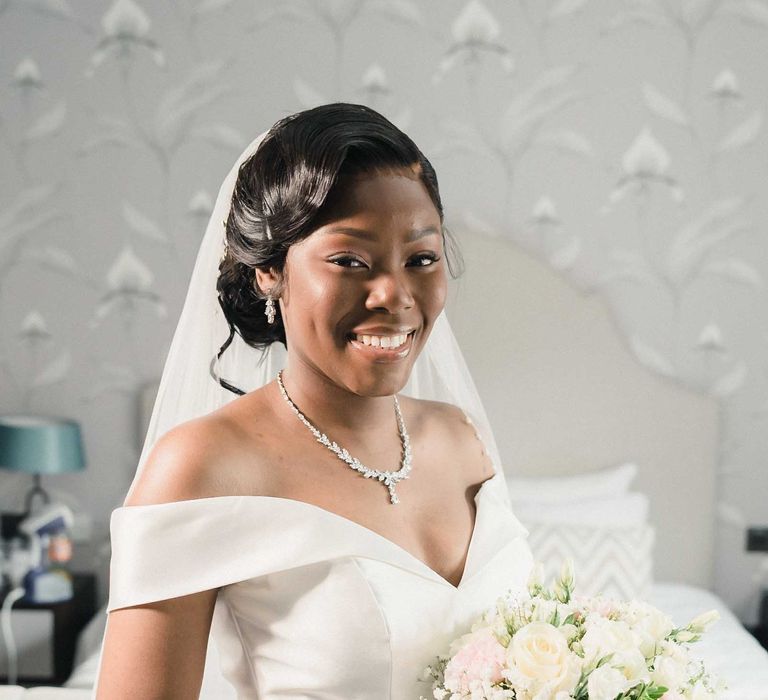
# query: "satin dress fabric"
313,605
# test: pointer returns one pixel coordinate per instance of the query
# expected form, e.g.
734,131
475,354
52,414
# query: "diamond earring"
269,310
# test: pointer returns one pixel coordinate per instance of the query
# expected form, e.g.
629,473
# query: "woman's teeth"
382,341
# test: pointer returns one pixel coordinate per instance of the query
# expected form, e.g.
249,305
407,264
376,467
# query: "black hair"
285,188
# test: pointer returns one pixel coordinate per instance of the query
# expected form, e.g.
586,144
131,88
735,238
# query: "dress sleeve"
158,552
168,550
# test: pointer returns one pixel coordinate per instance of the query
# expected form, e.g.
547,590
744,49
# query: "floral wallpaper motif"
623,143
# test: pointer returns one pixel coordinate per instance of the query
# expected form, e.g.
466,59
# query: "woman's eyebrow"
413,235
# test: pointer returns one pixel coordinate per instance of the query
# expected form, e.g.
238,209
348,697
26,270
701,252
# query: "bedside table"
760,630
760,633
46,635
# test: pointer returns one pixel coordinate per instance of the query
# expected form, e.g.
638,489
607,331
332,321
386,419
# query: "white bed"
726,649
566,396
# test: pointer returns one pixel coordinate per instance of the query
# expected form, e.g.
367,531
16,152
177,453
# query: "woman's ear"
266,280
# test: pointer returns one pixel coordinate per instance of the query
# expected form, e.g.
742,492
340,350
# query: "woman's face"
362,292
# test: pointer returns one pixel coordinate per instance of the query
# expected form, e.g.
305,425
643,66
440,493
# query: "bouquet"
552,645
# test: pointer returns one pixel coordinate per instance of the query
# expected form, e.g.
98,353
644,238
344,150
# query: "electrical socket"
757,539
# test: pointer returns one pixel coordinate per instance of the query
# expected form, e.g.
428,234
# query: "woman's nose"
389,292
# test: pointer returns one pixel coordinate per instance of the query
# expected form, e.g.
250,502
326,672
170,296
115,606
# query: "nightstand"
46,635
760,630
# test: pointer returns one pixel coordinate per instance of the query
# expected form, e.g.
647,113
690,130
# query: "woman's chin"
379,382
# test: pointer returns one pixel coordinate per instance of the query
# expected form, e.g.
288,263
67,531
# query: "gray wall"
621,142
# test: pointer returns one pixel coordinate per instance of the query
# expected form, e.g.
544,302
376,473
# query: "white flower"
632,664
544,611
536,577
650,623
604,636
539,660
670,668
701,622
605,683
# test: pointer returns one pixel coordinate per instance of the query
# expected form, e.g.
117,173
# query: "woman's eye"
425,259
348,261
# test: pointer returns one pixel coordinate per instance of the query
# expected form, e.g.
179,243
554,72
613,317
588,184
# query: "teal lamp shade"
40,445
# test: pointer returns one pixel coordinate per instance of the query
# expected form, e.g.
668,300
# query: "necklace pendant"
389,479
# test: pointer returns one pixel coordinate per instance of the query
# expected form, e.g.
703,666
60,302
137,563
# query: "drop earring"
269,309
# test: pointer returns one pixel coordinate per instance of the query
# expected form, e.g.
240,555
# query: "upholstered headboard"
565,395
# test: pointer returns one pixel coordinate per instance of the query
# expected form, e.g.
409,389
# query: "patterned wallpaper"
621,141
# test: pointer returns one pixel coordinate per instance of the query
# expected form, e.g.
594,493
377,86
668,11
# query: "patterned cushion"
613,562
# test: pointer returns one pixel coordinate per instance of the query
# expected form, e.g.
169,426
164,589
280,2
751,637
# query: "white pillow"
629,510
613,562
612,481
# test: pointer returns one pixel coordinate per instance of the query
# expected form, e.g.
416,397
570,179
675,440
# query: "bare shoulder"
451,427
192,460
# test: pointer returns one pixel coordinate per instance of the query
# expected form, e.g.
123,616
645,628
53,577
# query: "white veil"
188,388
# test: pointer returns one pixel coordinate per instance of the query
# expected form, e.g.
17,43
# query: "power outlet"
757,539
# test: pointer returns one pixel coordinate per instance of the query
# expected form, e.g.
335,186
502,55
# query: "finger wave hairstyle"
284,190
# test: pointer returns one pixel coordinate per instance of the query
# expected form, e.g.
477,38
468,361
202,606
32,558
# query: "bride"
319,507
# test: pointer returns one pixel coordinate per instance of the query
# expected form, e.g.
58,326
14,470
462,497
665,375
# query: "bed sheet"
727,648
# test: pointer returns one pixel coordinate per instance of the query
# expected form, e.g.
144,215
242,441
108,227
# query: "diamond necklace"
389,478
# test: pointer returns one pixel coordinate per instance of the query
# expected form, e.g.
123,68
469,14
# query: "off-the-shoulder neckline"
324,512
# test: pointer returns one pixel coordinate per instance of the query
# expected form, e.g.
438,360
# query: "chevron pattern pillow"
613,562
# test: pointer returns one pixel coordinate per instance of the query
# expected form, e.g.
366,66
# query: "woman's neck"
333,408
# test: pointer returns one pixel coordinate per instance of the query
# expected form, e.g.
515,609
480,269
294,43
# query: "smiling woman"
243,544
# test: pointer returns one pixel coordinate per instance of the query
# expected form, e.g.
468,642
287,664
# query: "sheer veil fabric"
188,388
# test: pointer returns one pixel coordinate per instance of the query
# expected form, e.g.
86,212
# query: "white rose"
540,659
605,683
604,636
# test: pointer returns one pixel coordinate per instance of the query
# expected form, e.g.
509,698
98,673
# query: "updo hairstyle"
285,188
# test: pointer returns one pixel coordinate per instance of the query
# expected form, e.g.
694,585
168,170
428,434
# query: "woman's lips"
383,355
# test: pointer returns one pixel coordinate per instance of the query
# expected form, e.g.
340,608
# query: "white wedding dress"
312,604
